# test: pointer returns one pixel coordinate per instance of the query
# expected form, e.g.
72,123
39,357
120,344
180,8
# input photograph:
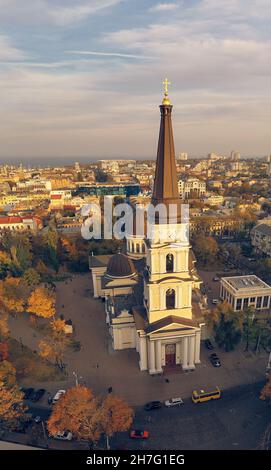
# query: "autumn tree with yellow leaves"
53,347
116,416
11,397
78,412
42,302
87,417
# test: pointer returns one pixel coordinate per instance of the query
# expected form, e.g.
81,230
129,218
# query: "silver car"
173,402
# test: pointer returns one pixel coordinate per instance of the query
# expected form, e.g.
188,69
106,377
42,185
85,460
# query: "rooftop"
250,282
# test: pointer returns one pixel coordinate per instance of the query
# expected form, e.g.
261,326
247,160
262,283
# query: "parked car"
28,392
173,402
215,361
58,395
216,279
139,434
63,436
215,301
38,394
153,405
208,344
37,419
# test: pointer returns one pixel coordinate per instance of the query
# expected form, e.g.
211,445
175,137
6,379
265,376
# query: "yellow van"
198,397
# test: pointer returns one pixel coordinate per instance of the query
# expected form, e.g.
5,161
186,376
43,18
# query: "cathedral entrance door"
170,354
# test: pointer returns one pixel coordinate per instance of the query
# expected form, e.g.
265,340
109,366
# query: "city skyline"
83,80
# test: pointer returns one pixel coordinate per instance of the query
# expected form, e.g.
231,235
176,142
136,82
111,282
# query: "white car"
173,402
63,436
58,395
215,301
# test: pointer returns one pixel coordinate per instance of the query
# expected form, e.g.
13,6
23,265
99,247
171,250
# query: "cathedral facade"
152,293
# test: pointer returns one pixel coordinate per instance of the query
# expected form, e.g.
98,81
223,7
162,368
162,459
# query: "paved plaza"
99,367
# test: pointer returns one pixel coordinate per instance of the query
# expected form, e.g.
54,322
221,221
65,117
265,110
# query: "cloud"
109,54
216,54
8,51
55,12
164,7
69,15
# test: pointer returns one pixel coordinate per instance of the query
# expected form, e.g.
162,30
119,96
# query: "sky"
83,78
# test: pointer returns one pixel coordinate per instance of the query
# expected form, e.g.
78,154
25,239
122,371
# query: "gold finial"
166,99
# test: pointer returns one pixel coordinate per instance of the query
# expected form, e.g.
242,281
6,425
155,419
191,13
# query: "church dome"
120,266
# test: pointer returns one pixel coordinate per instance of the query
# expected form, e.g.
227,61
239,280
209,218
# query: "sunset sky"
83,78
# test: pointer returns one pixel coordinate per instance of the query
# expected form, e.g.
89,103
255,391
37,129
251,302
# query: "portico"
173,344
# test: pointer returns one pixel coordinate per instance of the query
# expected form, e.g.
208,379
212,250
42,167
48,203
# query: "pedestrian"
110,389
97,366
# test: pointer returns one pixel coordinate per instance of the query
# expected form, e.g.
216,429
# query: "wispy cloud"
8,51
69,15
110,54
164,7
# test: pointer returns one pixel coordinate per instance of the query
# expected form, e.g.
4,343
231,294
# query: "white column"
143,353
158,356
191,352
185,352
151,357
197,348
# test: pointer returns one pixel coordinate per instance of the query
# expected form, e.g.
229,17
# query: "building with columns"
242,292
155,310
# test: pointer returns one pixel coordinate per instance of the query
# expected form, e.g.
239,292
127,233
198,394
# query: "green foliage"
227,336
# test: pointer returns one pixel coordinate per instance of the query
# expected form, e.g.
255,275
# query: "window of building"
265,301
170,263
170,299
259,302
238,304
246,302
252,299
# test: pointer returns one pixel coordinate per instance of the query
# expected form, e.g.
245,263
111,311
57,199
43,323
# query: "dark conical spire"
165,190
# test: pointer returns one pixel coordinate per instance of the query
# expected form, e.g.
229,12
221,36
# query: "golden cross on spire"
166,83
166,100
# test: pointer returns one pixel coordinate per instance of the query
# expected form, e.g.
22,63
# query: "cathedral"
151,293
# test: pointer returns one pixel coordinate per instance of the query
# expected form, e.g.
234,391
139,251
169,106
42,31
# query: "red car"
138,434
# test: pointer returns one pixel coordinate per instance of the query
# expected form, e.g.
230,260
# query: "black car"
215,361
28,393
208,344
153,405
38,394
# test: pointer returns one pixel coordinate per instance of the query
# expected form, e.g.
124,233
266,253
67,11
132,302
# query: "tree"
4,329
7,374
5,263
3,351
266,391
205,248
79,412
13,294
42,302
11,405
31,277
53,347
116,416
227,326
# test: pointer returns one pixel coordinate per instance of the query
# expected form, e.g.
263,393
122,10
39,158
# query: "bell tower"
168,282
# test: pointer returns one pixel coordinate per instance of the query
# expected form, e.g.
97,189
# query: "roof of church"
120,266
168,321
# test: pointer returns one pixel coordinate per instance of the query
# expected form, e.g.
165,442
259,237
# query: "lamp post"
76,378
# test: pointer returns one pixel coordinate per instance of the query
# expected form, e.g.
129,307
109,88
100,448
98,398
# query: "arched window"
143,248
137,248
170,299
170,263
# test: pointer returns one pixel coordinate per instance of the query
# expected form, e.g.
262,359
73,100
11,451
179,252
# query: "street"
236,421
